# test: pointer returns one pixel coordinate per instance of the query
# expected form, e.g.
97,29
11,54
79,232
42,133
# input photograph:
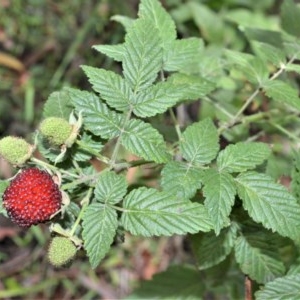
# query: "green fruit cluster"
61,251
15,150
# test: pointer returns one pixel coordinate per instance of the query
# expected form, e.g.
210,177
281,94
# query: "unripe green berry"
15,150
61,251
56,130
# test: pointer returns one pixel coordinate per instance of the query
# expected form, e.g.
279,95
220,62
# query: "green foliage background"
250,90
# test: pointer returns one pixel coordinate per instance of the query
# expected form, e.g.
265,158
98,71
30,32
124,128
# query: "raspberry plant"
217,183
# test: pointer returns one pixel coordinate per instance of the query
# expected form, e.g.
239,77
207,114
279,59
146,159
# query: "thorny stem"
236,117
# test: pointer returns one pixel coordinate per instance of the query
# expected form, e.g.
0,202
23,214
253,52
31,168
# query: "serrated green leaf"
292,68
176,283
269,203
58,105
284,288
82,151
142,58
98,118
252,68
181,179
156,99
200,142
143,140
290,15
153,11
183,55
115,52
209,22
282,92
210,249
242,156
258,257
111,86
125,21
99,229
219,191
148,212
110,187
269,53
270,37
191,87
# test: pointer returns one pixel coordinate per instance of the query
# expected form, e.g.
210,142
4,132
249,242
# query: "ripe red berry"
32,197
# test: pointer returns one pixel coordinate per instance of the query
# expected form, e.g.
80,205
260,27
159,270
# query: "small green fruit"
61,251
56,130
15,150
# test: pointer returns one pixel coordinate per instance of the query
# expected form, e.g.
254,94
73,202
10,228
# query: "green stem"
236,117
85,202
286,132
51,167
118,143
85,147
176,124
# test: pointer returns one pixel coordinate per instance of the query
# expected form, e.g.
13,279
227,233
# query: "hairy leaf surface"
110,187
242,156
149,212
200,142
269,203
99,229
258,257
143,140
181,179
98,118
219,191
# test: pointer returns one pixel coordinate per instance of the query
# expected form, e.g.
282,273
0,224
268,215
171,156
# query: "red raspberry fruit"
32,197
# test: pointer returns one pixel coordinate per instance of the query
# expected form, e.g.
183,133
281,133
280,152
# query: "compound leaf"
111,86
183,54
110,187
210,249
143,140
99,229
98,118
258,257
219,191
58,105
242,156
156,99
200,142
183,180
148,212
269,203
153,11
284,288
115,52
142,58
282,92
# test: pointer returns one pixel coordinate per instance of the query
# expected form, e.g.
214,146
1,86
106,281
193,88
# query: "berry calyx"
61,251
32,197
15,150
56,130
